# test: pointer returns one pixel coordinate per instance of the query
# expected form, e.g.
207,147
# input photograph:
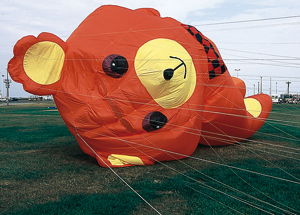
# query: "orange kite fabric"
135,88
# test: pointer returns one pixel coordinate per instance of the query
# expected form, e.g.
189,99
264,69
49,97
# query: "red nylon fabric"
107,113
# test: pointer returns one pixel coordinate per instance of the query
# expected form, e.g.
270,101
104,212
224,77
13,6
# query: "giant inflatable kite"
135,88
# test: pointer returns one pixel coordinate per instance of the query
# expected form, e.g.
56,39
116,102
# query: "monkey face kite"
135,88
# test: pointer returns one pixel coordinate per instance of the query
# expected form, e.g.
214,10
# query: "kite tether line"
117,174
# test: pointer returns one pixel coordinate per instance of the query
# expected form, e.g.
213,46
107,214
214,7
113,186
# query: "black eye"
153,121
115,66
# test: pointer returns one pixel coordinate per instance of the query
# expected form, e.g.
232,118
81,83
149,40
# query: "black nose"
168,74
154,120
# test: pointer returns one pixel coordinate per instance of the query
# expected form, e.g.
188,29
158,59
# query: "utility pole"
7,84
288,88
258,88
2,81
237,72
261,84
270,88
253,89
276,88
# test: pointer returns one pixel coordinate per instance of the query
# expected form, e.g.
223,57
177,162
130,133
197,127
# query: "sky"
258,39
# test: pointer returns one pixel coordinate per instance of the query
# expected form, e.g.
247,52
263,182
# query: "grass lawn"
43,171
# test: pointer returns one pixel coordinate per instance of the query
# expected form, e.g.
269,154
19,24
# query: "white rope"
173,153
232,188
253,188
272,153
275,145
214,189
244,201
195,158
269,148
117,174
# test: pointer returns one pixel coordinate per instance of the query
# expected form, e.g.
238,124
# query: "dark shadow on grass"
119,203
75,152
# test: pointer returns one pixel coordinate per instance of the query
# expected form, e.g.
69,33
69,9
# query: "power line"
261,63
249,52
264,59
253,26
260,43
250,20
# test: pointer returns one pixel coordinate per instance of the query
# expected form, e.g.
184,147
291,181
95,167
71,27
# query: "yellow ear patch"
43,62
120,160
253,106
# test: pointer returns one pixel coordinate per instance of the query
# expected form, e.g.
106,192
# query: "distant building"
275,98
40,98
48,97
289,98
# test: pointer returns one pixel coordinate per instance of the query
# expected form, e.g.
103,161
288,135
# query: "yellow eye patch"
43,62
155,61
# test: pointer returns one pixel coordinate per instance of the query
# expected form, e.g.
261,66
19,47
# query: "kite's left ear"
149,11
38,63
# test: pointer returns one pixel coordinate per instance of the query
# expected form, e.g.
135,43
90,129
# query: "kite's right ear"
38,63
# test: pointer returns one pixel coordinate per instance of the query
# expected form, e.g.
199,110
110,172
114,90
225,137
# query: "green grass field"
43,171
